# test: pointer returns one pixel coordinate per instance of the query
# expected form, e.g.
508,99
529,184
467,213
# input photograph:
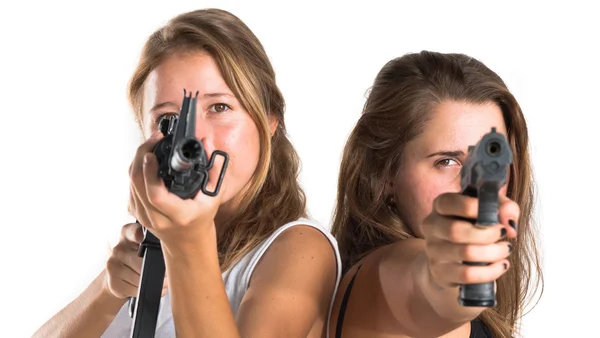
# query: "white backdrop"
68,135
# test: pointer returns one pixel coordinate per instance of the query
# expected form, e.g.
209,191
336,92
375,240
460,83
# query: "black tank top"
478,328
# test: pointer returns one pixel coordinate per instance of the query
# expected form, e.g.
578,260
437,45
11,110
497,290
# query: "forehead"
193,72
456,125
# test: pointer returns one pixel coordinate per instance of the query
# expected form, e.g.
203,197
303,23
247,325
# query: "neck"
224,216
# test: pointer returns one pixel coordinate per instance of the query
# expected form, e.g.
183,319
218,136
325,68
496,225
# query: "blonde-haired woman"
246,262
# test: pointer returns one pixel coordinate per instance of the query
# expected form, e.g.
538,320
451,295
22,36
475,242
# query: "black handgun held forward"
183,166
483,174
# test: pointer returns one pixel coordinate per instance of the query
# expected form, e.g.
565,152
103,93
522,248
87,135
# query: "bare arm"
424,309
292,287
198,300
392,296
410,288
87,316
289,294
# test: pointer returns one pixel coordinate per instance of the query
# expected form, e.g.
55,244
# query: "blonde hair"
273,196
401,100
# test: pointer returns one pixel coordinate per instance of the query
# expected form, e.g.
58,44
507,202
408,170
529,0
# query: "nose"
455,185
204,132
202,128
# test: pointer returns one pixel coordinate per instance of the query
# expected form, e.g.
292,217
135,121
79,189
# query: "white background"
68,135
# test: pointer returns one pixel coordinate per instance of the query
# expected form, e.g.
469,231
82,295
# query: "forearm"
87,316
417,307
198,299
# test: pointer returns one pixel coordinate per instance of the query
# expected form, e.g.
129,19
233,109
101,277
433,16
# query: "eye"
446,162
219,108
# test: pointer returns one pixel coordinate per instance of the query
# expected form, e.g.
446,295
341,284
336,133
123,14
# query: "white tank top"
236,280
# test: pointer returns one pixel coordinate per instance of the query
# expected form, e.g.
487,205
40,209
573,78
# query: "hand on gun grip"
124,264
452,239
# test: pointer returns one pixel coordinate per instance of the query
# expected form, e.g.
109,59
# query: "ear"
388,189
273,124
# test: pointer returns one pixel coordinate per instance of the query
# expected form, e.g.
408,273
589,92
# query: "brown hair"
273,196
401,100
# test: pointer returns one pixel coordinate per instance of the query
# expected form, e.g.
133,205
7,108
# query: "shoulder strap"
342,313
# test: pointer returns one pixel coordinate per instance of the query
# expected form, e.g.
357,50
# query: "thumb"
132,232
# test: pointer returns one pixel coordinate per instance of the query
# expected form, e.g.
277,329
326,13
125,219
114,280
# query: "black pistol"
183,165
482,176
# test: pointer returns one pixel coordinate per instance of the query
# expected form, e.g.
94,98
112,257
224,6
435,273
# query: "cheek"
417,194
411,195
241,143
428,188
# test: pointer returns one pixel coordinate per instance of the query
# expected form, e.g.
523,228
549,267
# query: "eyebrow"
448,153
171,104
219,95
165,105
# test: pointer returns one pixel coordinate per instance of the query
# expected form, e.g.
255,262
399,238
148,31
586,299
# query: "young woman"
246,262
401,223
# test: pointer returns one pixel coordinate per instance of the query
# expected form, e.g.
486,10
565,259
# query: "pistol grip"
482,295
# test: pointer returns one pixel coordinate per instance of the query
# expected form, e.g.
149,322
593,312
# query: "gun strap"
152,275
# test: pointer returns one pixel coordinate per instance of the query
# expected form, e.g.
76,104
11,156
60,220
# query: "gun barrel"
494,148
488,163
186,155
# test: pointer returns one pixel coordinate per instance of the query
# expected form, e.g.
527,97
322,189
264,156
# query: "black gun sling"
144,309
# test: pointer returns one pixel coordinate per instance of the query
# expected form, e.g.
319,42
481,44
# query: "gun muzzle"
493,148
186,155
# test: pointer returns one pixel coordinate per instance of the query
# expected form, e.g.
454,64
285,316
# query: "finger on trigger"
455,204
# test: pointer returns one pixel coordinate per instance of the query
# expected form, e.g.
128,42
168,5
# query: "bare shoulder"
292,284
297,249
368,288
304,236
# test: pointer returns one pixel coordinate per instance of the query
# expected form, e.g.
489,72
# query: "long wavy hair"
273,196
400,102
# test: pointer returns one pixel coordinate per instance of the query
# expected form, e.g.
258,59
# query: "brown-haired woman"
246,262
400,219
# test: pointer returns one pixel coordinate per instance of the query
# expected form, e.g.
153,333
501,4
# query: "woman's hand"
124,265
452,239
169,217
